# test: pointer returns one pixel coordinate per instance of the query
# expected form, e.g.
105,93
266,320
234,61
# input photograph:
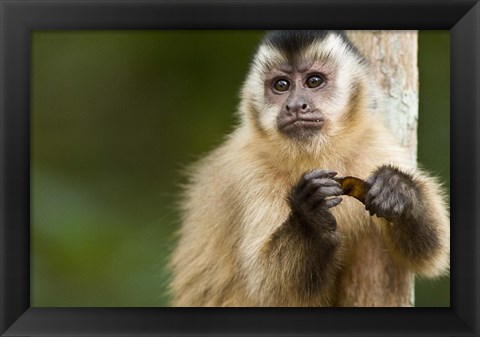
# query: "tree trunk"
393,60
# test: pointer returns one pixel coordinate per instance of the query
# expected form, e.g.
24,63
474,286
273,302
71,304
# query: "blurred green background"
115,118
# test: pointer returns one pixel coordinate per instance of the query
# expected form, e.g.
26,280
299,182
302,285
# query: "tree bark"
393,60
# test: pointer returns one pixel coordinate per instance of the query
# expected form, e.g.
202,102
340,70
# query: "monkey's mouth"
302,125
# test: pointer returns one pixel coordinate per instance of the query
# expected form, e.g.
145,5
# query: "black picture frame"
19,17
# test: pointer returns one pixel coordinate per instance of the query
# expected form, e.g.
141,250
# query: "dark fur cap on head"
291,42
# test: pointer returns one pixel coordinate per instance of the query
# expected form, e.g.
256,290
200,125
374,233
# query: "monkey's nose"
298,107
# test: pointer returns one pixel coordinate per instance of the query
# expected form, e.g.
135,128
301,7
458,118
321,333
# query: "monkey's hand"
391,193
311,199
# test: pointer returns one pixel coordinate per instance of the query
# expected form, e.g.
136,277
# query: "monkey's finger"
374,191
304,191
385,196
332,202
371,209
370,181
314,185
376,188
327,182
378,206
331,174
323,192
329,191
368,203
310,175
319,196
320,174
368,200
307,177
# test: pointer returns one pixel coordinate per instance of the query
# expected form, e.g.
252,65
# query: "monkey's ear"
353,187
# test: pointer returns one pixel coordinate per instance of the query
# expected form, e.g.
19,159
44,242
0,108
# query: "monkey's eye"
315,81
281,85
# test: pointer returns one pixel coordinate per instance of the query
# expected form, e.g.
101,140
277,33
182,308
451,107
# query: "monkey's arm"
418,230
299,258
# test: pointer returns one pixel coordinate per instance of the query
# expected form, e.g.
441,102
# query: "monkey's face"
298,93
304,92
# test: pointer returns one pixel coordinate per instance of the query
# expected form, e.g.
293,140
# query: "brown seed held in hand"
352,186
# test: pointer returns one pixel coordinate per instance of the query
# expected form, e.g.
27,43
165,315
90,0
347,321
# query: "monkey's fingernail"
334,183
333,202
337,190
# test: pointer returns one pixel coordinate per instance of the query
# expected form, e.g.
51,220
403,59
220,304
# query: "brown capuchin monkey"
263,221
